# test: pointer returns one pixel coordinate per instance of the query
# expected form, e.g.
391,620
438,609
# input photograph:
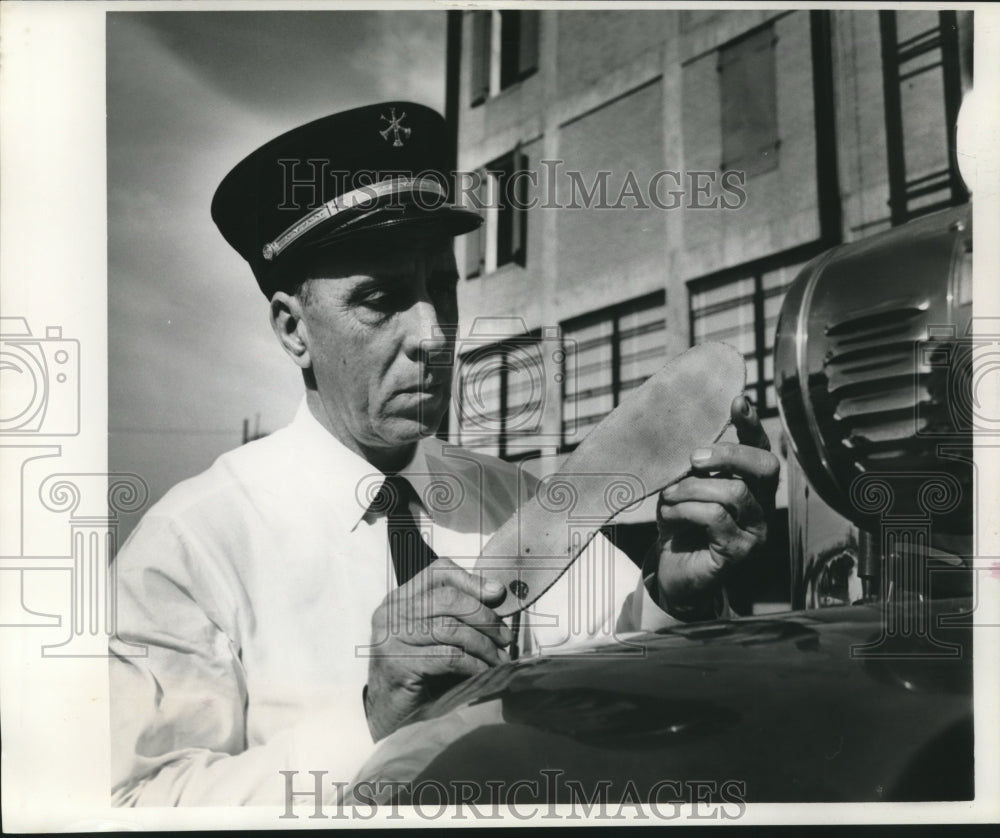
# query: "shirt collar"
346,477
416,472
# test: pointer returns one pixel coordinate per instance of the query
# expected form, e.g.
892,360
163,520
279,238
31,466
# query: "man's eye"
378,300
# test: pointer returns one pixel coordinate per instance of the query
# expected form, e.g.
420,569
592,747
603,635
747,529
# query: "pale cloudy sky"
191,353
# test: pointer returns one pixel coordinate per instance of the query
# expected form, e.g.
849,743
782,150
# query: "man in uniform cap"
289,607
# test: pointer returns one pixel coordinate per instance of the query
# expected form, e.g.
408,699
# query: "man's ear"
290,327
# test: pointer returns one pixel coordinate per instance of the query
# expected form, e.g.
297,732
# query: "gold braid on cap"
349,200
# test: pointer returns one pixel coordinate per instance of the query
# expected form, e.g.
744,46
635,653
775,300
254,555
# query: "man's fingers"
446,601
718,524
731,493
444,572
450,632
456,664
749,431
448,637
742,460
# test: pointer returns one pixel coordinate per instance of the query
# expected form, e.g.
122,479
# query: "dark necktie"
410,553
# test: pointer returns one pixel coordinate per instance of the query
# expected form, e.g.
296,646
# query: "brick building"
652,179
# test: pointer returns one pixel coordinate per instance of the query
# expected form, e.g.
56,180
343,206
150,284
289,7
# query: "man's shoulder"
497,485
473,462
240,474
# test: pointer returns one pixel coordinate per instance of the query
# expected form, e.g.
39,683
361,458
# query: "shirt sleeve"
179,696
643,612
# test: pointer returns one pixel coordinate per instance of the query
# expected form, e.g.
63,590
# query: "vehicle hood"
821,705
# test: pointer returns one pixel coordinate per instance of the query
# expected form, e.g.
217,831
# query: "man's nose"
426,334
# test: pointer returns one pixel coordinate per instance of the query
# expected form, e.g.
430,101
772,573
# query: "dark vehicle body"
779,709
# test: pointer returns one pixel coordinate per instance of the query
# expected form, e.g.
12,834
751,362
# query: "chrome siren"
873,371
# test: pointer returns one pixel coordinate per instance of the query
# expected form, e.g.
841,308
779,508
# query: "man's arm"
178,714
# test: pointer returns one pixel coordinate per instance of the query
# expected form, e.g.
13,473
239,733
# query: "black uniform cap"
337,182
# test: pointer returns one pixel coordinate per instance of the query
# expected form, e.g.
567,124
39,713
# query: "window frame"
614,313
531,338
755,269
500,56
897,59
502,219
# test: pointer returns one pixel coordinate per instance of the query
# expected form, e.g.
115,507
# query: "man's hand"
713,519
428,633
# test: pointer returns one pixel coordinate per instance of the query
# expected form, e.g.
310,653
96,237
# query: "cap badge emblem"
396,128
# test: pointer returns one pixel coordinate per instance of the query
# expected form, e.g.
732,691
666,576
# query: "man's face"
381,330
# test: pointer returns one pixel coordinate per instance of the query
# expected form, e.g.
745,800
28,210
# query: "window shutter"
749,107
502,169
479,87
519,194
510,39
527,60
475,242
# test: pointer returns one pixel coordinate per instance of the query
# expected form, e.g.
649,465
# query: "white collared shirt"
244,605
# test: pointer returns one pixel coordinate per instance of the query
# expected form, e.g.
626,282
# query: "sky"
189,94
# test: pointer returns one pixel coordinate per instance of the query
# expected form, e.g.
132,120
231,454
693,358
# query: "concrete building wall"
592,44
605,153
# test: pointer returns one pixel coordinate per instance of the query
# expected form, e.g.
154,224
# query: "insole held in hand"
642,446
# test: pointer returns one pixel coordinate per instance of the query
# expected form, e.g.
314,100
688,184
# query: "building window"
504,51
607,354
921,77
518,46
742,310
748,103
501,396
503,200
